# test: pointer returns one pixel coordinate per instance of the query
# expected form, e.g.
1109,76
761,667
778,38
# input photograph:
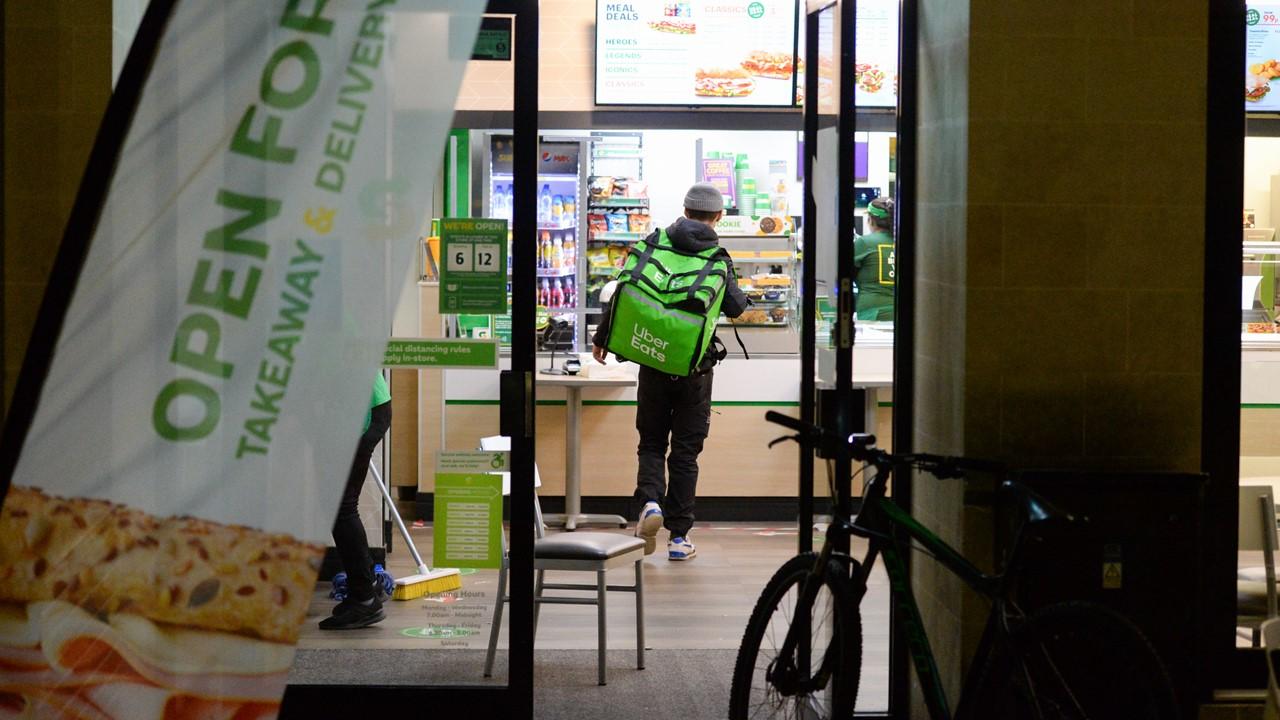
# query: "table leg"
572,458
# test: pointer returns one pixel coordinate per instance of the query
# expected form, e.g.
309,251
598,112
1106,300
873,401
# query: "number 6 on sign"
460,257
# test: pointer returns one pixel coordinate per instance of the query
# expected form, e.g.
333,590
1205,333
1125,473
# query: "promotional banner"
160,541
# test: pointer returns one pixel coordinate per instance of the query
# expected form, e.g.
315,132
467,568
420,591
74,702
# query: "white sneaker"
679,548
647,526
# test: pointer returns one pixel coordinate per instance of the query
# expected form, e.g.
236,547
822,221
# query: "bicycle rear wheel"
767,686
1079,660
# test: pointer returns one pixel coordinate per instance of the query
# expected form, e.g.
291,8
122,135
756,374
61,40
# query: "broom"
426,581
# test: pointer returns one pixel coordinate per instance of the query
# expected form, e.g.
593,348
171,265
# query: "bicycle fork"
785,672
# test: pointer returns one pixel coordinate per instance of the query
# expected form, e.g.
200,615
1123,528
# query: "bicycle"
1066,660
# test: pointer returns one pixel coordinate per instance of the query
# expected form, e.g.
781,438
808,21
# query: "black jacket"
691,236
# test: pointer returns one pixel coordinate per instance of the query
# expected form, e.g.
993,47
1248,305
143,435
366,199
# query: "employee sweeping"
662,316
361,607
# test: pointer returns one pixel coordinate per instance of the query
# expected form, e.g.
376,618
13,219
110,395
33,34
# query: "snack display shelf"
730,323
608,153
618,237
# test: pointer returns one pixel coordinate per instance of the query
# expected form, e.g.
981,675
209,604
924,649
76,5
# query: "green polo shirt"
874,273
381,394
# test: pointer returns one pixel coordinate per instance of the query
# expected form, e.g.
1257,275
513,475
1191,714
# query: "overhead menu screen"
875,73
876,66
1262,57
701,52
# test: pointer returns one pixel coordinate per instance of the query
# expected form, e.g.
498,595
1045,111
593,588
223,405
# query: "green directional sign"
468,519
473,269
438,632
440,353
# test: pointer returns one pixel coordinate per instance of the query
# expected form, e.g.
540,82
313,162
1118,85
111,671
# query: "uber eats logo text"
222,289
648,343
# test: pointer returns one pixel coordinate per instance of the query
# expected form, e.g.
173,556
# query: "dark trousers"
348,532
675,411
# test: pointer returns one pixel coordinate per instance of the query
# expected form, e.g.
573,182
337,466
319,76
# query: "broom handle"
404,531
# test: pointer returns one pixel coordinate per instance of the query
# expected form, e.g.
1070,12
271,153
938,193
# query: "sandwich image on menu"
723,82
108,612
777,66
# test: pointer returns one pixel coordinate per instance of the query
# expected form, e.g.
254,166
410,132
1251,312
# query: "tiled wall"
943,232
1061,251
57,79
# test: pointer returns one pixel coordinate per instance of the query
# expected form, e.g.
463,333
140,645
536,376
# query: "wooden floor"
702,604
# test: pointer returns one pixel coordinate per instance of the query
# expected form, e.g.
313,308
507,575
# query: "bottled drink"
570,252
557,294
570,292
544,293
557,210
508,203
544,205
557,253
544,240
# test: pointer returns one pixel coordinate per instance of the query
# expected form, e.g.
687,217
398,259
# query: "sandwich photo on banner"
163,528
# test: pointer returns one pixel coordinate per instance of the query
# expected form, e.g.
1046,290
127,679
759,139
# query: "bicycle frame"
882,522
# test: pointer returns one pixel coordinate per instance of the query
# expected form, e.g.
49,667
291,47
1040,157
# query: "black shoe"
347,602
354,615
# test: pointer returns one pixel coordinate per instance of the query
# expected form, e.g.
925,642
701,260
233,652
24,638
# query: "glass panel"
453,516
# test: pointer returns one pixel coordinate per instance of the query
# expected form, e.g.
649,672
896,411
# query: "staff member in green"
361,608
874,270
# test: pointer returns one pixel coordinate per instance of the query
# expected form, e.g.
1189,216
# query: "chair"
1271,642
595,552
1256,586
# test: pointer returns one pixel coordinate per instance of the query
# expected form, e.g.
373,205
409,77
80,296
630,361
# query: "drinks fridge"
560,216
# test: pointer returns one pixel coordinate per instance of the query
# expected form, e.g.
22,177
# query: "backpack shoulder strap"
718,255
745,354
646,254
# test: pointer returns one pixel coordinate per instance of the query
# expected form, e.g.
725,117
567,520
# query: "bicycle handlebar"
861,447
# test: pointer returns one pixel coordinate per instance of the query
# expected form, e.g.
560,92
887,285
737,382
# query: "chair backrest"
1257,531
503,443
1271,644
1257,519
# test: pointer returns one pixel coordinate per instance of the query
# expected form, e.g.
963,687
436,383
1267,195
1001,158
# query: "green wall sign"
468,519
473,271
440,353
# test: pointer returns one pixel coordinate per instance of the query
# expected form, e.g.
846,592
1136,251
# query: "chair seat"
1252,574
1251,597
585,546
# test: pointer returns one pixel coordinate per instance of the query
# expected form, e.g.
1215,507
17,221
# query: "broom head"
411,587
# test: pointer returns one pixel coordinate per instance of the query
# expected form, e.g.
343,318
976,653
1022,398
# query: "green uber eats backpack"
664,311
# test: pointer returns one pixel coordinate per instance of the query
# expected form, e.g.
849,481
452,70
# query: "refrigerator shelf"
557,272
620,203
618,237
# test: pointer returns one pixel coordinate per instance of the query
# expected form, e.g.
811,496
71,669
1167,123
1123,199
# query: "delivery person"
361,607
673,410
873,263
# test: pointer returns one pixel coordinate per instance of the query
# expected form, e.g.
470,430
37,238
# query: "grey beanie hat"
704,197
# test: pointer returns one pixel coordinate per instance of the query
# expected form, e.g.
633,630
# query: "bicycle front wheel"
820,679
1077,660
